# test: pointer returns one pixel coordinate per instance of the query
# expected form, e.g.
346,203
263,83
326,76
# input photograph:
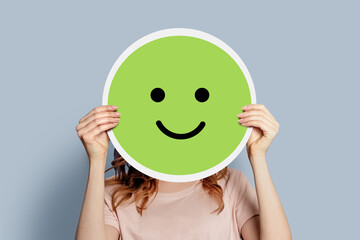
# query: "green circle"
179,65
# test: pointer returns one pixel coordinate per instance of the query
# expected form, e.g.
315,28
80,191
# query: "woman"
137,206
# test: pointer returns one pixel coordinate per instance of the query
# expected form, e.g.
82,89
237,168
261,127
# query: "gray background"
304,60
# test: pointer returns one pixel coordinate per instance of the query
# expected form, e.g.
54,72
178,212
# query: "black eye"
202,94
157,94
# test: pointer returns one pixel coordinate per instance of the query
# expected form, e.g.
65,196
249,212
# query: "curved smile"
187,135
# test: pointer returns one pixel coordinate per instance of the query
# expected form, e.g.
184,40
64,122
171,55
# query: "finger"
97,115
269,123
95,123
98,109
89,136
258,113
261,107
264,126
102,128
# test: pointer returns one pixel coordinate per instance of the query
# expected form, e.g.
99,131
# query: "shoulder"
109,189
237,178
114,193
236,175
234,170
237,185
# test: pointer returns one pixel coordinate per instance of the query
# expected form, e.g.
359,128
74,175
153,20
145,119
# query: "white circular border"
178,32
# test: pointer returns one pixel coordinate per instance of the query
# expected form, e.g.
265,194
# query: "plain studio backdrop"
304,61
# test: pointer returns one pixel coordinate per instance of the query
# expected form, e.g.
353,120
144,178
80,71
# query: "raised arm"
271,223
92,132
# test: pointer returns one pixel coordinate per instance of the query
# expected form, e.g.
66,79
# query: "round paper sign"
179,92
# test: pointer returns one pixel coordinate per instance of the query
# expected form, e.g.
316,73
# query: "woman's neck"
168,187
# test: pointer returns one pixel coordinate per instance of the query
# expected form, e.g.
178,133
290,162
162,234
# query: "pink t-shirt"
186,214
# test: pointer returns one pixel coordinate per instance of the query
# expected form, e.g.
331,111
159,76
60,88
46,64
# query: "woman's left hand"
265,127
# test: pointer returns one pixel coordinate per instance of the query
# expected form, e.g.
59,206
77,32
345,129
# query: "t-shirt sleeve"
110,217
246,205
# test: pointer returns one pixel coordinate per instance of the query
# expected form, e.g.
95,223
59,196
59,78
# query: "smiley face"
179,92
157,95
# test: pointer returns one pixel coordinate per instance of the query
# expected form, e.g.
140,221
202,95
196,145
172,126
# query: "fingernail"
240,115
114,107
243,108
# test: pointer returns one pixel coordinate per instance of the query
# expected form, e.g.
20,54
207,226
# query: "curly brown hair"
134,183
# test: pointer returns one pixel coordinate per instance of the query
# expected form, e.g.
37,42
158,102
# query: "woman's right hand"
92,128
